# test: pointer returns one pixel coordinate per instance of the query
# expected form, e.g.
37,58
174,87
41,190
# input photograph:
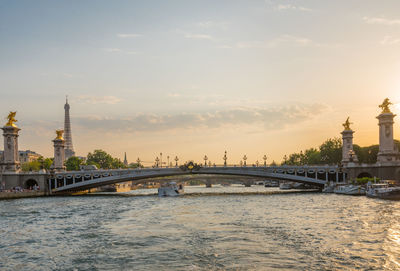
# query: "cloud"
284,39
124,36
292,7
91,99
390,40
198,36
270,118
381,20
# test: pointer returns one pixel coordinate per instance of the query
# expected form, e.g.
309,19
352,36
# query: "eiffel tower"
69,148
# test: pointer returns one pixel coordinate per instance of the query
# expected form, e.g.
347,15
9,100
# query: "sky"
191,78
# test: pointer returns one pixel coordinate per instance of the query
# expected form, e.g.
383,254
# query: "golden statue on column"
346,125
60,134
385,106
11,119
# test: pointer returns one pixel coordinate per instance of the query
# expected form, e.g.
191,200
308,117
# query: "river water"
311,231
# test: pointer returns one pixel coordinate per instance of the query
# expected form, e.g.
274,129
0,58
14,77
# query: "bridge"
72,181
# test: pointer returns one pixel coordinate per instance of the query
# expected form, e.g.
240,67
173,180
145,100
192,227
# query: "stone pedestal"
387,151
59,155
348,154
11,160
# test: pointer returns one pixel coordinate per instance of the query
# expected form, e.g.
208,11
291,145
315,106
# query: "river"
311,231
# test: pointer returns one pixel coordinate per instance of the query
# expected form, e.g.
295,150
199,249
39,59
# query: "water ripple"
275,232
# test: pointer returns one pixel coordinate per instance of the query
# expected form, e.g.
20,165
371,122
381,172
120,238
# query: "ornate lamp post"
257,163
225,158
168,161
176,161
160,159
138,161
244,159
157,160
265,160
205,160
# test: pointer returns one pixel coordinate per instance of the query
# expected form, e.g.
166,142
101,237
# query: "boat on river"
285,186
171,189
350,189
383,191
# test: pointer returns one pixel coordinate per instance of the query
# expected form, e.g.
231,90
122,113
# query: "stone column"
11,160
387,151
348,154
59,152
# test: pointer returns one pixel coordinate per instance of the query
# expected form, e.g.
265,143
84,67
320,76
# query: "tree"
101,159
116,163
135,165
31,166
331,151
73,163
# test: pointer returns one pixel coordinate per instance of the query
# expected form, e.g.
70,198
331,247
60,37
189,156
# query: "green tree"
331,151
100,158
116,163
135,165
73,163
31,166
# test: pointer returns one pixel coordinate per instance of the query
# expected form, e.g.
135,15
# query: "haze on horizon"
190,78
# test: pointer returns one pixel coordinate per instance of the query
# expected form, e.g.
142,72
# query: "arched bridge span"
82,180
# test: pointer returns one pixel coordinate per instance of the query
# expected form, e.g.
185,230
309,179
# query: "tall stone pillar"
348,154
10,132
388,153
59,152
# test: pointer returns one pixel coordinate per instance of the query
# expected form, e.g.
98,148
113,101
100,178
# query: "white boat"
383,191
329,188
350,189
285,186
170,189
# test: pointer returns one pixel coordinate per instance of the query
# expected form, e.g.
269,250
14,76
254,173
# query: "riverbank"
18,195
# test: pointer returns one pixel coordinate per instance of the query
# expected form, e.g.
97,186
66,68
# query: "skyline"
190,79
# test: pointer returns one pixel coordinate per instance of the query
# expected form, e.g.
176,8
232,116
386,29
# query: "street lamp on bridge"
225,158
257,163
161,159
205,160
157,160
265,160
138,161
176,161
244,159
168,161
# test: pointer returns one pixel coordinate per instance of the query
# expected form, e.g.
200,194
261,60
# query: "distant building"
23,156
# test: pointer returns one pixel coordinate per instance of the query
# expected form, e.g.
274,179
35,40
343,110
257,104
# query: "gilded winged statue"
346,125
11,119
385,106
60,134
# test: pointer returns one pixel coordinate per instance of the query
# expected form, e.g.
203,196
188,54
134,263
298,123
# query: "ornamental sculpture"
11,119
59,134
385,106
346,125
